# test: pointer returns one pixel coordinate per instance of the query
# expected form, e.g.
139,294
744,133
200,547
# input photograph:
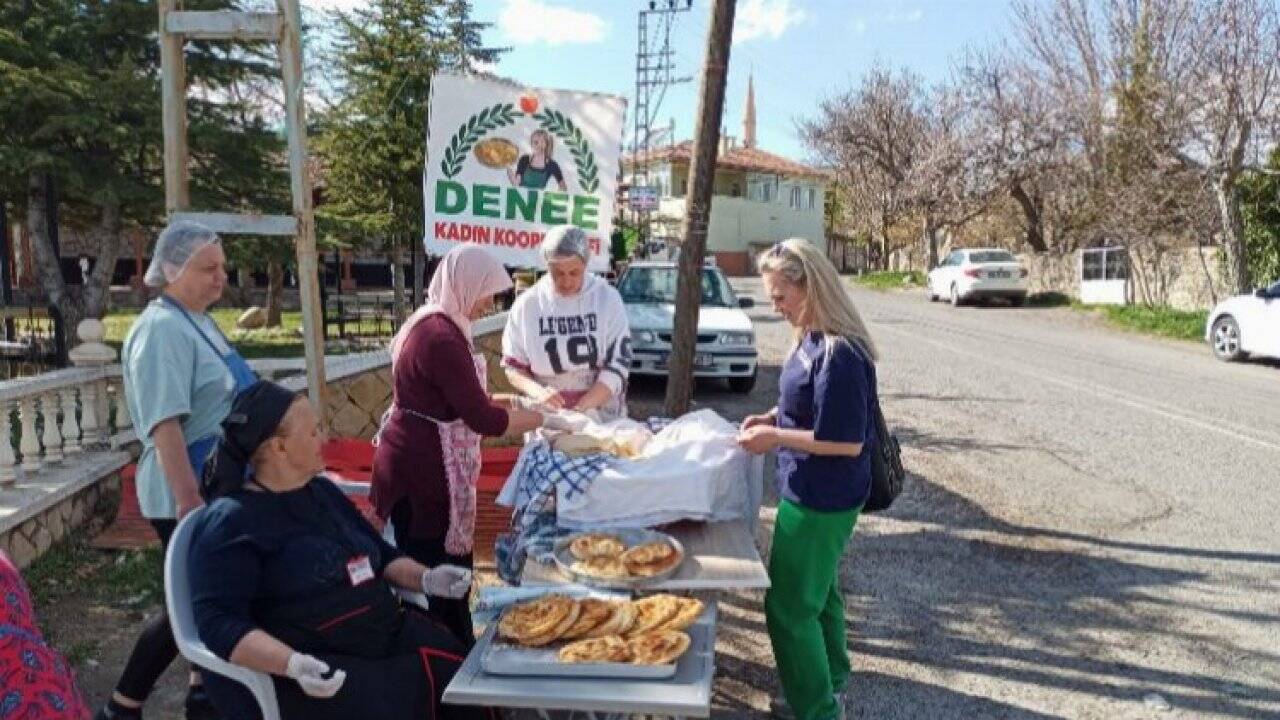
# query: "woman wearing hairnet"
180,376
567,343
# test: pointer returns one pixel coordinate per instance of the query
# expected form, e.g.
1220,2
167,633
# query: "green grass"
1159,321
891,280
71,569
281,342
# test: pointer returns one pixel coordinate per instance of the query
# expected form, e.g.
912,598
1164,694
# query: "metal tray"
501,658
632,537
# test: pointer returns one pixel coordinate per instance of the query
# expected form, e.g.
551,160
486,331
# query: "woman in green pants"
820,430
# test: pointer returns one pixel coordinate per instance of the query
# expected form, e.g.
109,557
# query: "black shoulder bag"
887,473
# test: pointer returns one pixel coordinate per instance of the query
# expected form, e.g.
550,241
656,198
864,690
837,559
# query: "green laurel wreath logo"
562,127
472,131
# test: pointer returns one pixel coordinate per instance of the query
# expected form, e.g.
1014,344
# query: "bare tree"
953,183
1232,108
1019,134
872,137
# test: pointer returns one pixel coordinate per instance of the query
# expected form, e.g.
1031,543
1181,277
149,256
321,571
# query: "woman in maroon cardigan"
428,456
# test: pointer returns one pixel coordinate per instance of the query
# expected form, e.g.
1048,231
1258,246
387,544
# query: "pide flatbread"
689,612
653,569
592,613
661,647
608,649
620,621
535,618
601,566
555,633
652,612
596,545
651,559
649,552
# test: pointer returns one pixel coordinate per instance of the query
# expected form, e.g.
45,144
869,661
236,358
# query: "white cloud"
860,26
765,18
526,22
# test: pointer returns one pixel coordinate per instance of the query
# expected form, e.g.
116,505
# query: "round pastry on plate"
556,632
651,559
661,647
604,567
536,617
689,612
608,649
592,613
596,545
622,618
652,612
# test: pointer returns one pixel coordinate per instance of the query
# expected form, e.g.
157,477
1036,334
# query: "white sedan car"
978,274
1246,325
726,345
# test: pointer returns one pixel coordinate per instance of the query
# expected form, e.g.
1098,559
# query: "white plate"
632,537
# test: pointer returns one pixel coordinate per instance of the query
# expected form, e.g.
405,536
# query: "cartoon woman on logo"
536,168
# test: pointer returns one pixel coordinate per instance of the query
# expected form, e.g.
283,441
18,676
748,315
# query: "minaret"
749,116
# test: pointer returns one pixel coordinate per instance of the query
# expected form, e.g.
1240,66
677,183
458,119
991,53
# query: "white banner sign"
506,164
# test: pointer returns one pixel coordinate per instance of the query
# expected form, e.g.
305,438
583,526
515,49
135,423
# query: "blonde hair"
831,310
547,138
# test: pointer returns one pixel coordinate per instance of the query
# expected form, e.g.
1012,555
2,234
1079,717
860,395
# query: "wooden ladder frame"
283,28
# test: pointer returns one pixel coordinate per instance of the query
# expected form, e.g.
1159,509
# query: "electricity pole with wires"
654,75
702,173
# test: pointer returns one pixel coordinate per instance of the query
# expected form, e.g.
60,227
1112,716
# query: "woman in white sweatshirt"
567,343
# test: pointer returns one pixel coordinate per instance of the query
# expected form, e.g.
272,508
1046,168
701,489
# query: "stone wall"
356,404
91,507
1051,272
1181,278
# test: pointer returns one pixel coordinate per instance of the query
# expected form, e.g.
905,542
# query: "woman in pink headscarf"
428,456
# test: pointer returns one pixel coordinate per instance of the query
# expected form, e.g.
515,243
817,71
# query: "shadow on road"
1018,609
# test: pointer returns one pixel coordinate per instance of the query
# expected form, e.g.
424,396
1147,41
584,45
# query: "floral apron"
460,448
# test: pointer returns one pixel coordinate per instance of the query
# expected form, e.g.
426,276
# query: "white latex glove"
309,672
446,581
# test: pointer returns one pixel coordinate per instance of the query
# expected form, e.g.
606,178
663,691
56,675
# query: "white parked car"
978,274
1246,325
726,338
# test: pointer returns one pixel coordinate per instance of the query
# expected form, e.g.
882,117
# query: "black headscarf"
255,416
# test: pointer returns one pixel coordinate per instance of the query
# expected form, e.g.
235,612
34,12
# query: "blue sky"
798,50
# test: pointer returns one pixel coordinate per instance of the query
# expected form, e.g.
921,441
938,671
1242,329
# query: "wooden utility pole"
702,175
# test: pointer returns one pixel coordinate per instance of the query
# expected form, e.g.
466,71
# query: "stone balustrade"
56,416
65,436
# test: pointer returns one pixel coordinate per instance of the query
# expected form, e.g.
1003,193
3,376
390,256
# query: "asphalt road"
1089,529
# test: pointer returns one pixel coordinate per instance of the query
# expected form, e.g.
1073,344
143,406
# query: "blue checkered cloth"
538,474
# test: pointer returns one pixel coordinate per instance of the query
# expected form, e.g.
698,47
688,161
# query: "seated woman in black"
288,579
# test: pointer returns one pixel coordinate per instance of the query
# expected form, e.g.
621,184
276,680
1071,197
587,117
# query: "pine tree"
373,141
80,104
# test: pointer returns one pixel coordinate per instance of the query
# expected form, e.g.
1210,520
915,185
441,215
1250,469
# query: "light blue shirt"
171,372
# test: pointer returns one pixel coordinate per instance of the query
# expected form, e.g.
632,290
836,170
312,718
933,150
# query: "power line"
655,73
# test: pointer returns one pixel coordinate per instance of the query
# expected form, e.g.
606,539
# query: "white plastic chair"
177,597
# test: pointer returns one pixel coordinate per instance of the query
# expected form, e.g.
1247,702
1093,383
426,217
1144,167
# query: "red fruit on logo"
528,103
